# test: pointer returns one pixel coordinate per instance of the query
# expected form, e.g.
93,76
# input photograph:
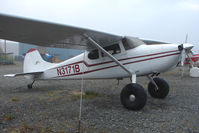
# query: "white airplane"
106,56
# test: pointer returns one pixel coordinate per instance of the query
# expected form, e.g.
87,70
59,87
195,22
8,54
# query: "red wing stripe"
117,65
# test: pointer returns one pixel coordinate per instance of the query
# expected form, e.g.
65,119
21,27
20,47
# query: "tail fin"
33,62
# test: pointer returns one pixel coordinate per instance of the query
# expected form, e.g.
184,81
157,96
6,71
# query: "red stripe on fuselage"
115,65
102,63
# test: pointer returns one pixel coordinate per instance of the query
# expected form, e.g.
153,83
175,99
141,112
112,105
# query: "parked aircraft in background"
193,57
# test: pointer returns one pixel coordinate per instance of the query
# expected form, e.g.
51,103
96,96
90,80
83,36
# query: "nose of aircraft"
186,46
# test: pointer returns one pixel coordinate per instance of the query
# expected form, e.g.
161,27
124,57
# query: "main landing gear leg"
158,87
133,96
133,78
30,85
152,81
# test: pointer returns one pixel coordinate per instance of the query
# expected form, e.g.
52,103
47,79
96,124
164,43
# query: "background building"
61,53
11,47
8,50
11,51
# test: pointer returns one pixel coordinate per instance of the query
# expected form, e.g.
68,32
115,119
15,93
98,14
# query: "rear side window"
94,54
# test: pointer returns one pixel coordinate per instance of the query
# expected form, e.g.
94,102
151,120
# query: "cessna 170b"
106,56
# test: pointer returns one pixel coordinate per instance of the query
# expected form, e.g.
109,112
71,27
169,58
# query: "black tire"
163,88
29,86
140,97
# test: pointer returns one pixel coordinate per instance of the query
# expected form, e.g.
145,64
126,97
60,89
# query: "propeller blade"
182,58
183,55
186,38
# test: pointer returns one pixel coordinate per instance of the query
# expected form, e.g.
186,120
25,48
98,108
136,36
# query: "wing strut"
109,55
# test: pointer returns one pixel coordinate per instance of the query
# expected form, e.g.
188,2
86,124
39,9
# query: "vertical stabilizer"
33,62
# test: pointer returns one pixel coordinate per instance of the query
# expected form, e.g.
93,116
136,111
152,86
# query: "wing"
51,34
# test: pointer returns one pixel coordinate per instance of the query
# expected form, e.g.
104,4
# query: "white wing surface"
51,34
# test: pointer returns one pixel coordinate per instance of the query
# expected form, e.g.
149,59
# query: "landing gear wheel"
133,96
29,86
163,88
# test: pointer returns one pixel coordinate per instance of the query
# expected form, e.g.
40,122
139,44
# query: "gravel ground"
53,106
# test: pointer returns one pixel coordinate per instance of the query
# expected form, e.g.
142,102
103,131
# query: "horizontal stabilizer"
22,74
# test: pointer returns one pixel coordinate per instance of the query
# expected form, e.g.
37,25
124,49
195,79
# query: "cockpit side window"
94,54
112,49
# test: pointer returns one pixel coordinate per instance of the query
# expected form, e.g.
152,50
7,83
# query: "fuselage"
142,60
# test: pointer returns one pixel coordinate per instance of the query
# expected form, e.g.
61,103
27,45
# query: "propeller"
183,54
182,58
185,50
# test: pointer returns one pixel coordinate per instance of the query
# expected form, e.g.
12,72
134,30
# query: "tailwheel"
133,96
30,85
162,90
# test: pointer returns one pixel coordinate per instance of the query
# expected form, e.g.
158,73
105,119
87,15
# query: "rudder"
33,62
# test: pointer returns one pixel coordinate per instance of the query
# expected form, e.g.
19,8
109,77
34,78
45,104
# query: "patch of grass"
60,131
16,131
91,94
8,117
15,99
36,129
50,94
86,95
26,129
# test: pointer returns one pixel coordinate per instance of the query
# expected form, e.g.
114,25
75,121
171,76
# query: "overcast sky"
168,20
